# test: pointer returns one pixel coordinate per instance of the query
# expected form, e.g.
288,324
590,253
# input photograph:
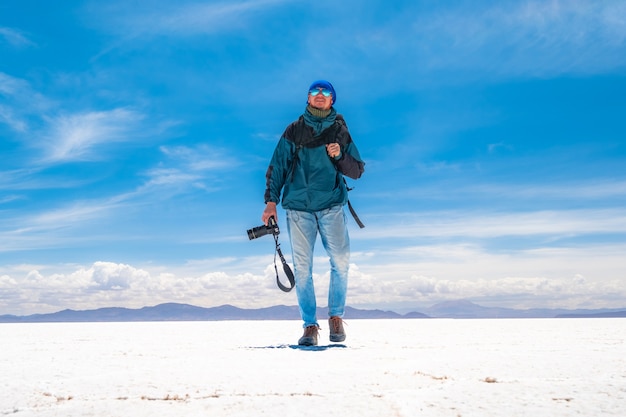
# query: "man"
308,165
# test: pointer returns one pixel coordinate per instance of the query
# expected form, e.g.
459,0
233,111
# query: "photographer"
308,165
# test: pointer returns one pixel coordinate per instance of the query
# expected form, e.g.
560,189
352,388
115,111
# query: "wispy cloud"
68,223
181,19
10,85
32,178
488,225
9,198
190,166
487,41
590,190
65,135
500,194
76,136
15,37
536,38
207,18
18,102
58,227
200,158
8,116
21,92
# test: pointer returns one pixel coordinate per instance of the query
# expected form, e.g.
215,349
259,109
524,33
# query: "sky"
135,139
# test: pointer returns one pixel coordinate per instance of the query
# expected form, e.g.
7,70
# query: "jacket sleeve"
350,163
278,170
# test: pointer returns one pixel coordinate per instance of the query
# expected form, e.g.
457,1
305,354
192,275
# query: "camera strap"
286,269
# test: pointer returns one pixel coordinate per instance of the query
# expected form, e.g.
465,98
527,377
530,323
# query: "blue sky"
135,139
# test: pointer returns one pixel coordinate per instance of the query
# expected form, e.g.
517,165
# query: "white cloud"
110,276
107,284
566,277
418,276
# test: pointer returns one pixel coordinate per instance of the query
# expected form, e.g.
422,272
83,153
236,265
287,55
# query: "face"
320,101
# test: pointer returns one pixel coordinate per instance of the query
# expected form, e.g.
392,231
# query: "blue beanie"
324,84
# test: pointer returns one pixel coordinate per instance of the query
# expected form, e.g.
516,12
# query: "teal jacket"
301,169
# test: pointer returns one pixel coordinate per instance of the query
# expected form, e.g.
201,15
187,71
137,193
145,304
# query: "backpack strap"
298,131
352,211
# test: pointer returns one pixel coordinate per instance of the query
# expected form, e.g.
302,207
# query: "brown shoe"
309,338
337,334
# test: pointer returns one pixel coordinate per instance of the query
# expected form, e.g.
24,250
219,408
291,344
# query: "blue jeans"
303,228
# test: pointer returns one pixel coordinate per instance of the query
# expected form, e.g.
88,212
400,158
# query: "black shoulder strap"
286,269
300,134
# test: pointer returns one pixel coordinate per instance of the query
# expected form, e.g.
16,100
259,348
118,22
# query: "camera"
271,228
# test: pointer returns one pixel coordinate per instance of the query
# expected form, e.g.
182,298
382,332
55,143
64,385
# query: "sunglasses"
315,91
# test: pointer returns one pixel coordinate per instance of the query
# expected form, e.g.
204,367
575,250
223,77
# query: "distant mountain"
467,309
593,315
186,312
458,309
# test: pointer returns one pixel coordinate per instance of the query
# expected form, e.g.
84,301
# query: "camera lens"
257,232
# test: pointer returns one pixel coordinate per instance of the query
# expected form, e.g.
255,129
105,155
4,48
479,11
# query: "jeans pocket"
292,215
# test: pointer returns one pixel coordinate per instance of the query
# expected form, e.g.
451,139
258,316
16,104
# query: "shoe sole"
307,342
337,337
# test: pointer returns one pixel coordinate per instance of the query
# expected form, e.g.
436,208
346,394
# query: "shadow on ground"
300,347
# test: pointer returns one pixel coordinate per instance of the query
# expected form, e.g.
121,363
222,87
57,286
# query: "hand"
333,149
270,211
